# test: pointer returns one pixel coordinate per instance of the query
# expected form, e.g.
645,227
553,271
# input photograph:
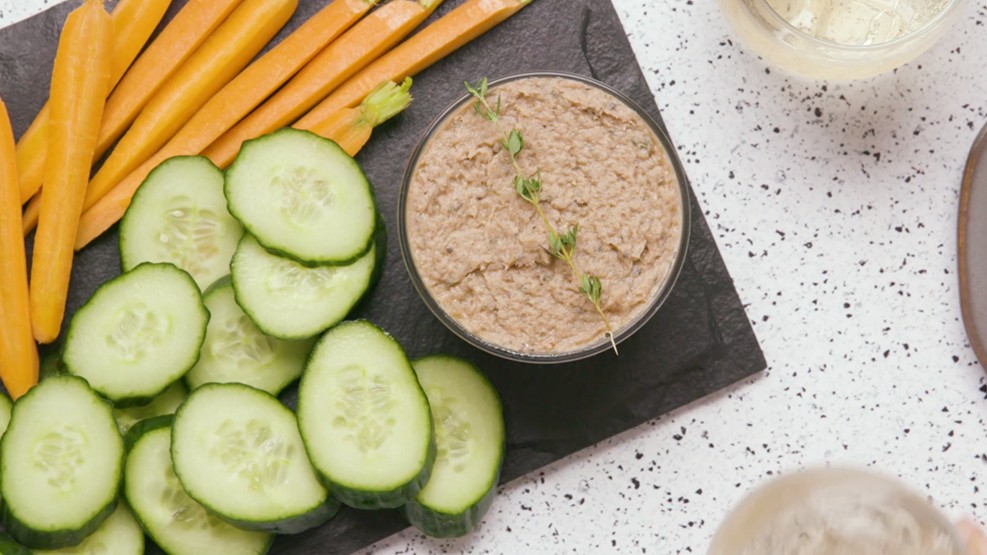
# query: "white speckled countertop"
835,207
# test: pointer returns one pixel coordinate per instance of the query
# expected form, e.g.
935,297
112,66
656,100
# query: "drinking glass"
835,511
840,39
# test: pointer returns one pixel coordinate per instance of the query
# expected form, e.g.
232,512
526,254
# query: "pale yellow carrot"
351,127
80,82
365,42
437,40
227,51
133,23
18,352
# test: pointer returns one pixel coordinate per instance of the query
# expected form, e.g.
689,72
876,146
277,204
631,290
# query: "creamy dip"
479,247
848,522
834,511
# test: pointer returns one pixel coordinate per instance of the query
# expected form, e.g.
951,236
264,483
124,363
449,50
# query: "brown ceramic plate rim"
595,348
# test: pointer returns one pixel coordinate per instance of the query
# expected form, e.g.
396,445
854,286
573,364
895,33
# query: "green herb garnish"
561,245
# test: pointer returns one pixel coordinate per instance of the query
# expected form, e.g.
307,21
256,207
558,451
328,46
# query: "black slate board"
699,342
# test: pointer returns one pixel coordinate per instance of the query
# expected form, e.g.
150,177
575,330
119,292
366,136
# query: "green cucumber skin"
125,263
145,426
50,365
125,417
134,435
292,525
380,259
326,324
444,525
360,498
275,249
295,525
391,499
10,547
56,539
440,524
283,351
141,400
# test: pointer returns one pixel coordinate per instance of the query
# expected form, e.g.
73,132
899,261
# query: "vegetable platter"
700,342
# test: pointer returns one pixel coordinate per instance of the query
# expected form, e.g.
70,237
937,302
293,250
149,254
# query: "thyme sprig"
561,245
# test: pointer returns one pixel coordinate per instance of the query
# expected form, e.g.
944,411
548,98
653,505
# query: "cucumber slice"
237,451
120,534
5,407
292,301
364,418
50,365
236,351
139,333
8,546
60,464
179,215
175,522
166,403
302,196
469,434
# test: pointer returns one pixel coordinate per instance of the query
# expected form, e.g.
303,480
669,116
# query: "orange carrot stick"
235,101
262,78
251,87
133,23
351,127
183,35
213,65
468,21
80,81
365,42
178,40
18,353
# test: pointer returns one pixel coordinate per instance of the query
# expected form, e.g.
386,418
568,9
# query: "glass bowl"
864,43
853,507
547,357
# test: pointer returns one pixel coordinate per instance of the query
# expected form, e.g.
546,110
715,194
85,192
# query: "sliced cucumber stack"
364,418
166,403
120,534
469,435
175,522
179,215
236,351
60,464
237,451
302,195
139,333
289,300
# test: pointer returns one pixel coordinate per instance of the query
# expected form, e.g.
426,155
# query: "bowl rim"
816,478
594,348
949,10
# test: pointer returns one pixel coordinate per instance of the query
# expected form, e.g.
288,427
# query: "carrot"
18,353
351,127
80,81
190,27
246,91
365,42
213,65
253,85
133,23
468,21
